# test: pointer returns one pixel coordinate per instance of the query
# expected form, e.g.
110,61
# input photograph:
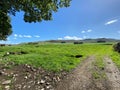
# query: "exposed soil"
26,77
113,74
79,79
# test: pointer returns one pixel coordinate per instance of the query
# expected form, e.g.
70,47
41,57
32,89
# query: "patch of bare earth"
79,79
26,77
112,73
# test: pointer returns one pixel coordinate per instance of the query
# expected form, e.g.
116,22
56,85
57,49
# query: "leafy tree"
34,11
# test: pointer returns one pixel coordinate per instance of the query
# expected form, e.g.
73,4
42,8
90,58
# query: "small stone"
48,86
7,87
58,78
29,86
15,75
42,89
46,77
38,82
55,79
47,83
42,81
4,69
18,86
6,82
25,77
24,86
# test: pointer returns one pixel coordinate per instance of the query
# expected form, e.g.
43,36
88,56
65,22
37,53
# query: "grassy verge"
116,58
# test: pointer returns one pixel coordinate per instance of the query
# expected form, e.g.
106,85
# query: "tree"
34,11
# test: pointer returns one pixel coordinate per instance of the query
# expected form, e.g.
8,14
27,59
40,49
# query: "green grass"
54,57
98,68
116,58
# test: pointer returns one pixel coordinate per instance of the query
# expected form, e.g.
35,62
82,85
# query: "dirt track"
79,79
113,74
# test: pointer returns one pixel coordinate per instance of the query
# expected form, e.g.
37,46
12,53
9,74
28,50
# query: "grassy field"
57,57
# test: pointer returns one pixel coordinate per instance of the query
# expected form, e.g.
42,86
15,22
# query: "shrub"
63,42
78,42
116,47
101,41
2,45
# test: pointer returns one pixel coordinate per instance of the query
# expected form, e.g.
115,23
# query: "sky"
83,19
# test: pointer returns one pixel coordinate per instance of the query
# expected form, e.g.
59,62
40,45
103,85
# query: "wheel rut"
112,73
79,79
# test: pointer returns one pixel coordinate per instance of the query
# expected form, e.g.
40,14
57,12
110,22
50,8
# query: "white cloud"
15,35
37,36
89,30
72,38
27,36
111,22
60,38
83,31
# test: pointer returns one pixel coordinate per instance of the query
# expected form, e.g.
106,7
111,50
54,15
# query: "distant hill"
85,40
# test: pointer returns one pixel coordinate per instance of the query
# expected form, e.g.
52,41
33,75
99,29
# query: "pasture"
56,57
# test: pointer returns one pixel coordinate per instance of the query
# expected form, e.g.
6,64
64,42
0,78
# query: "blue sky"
83,19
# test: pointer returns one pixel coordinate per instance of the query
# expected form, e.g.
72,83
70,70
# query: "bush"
101,41
63,42
116,47
78,42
